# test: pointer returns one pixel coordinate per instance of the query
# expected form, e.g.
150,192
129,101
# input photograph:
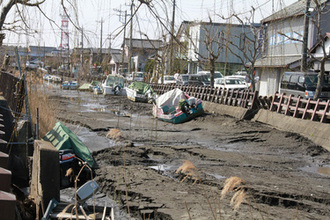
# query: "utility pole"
101,39
303,66
171,41
123,45
130,42
82,53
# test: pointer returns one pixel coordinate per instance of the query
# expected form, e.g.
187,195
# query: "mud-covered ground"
286,176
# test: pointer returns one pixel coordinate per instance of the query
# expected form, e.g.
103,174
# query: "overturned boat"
175,106
139,92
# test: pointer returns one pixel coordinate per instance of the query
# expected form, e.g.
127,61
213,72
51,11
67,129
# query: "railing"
12,89
301,108
232,97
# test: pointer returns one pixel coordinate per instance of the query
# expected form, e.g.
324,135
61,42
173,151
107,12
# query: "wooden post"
326,107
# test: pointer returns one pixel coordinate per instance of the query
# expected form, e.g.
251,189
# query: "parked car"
182,79
217,74
139,76
205,79
195,79
168,79
230,83
303,84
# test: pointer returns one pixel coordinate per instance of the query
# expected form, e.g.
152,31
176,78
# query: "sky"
89,15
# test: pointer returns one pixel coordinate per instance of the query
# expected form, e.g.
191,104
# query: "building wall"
269,80
279,45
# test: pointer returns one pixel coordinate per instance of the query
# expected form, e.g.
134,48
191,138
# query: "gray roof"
117,58
278,61
295,9
144,43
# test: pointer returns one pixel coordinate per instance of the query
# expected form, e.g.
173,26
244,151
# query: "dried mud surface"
286,175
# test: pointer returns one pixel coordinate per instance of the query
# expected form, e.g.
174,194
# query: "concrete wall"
45,183
315,131
236,112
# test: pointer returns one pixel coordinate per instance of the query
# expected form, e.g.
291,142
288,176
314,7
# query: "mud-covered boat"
176,107
113,84
139,92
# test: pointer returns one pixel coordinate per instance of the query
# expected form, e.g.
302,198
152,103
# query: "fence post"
297,106
306,108
273,100
326,107
288,105
315,109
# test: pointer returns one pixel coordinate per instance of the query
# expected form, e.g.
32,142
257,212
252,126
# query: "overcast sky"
90,13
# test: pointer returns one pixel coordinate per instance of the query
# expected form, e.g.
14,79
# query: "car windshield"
185,78
169,78
139,75
206,78
234,81
217,75
311,80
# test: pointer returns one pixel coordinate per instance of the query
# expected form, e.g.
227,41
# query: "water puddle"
161,167
325,170
216,176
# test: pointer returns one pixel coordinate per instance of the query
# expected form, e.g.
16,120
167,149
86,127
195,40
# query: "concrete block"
8,205
45,181
4,158
5,179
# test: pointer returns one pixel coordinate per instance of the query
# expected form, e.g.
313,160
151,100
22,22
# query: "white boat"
139,92
113,85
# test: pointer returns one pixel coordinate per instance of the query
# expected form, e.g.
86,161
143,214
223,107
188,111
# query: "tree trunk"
320,77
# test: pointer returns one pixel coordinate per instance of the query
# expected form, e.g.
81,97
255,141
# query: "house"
281,52
224,39
141,51
317,53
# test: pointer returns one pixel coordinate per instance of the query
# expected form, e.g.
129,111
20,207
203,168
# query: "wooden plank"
326,108
273,102
288,105
315,110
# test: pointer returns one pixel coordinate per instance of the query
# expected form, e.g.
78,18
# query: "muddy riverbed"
286,176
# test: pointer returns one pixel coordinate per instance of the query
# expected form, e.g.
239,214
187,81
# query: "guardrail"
232,97
301,108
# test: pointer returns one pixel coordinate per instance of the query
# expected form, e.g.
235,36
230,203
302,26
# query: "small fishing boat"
113,84
139,92
175,107
70,85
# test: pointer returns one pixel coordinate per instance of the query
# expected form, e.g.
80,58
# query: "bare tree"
249,48
213,45
6,8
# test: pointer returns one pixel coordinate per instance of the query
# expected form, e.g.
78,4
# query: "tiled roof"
297,8
278,61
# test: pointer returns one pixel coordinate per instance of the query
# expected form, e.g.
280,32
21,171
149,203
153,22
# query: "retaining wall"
233,111
315,131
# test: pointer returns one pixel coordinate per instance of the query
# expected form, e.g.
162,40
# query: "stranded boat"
113,84
70,85
176,107
139,92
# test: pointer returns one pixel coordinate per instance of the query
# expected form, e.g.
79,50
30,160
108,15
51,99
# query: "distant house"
280,52
142,50
198,33
118,63
317,53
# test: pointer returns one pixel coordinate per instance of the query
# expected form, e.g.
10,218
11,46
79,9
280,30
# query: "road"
286,176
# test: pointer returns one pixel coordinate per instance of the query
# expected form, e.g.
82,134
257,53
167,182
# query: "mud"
286,175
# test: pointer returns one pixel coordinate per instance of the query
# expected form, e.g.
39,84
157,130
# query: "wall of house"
269,80
278,44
